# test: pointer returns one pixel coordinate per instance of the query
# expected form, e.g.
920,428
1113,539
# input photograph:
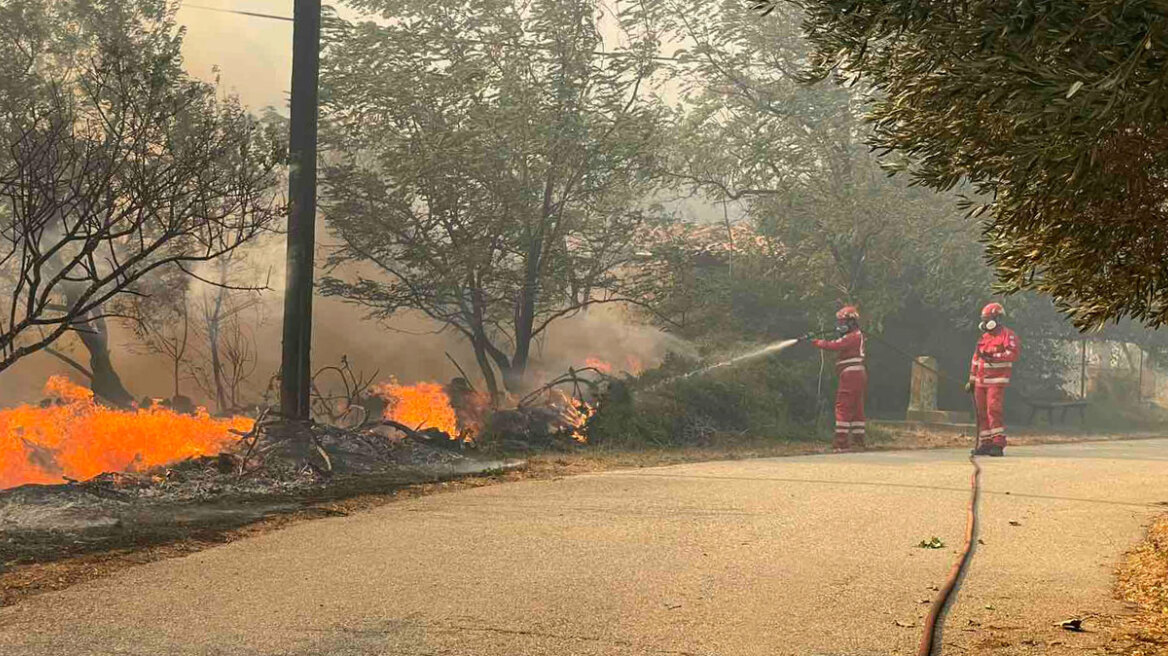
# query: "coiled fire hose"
930,633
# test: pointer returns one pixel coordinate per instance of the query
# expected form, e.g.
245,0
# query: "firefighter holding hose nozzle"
989,375
853,379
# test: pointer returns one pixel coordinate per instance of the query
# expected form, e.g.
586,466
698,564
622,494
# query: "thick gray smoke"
409,347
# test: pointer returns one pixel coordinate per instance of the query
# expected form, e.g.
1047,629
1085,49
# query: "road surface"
808,555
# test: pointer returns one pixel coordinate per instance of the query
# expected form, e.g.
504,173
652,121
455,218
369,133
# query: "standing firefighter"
853,378
989,375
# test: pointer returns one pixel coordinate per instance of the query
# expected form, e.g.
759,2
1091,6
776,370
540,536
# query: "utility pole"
295,366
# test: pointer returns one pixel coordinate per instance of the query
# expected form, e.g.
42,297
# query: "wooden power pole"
295,369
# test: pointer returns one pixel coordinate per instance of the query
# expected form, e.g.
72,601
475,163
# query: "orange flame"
79,439
633,365
574,413
424,405
598,364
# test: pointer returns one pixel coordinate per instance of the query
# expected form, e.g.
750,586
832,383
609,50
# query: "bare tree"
227,352
116,165
239,359
162,322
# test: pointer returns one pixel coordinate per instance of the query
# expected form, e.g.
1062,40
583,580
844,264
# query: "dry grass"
1143,581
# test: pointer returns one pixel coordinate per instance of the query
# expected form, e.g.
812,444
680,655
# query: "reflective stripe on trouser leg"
995,416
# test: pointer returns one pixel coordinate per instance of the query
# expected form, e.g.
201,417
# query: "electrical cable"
597,53
253,14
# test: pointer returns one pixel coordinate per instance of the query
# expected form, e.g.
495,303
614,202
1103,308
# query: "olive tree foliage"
115,165
487,164
1054,111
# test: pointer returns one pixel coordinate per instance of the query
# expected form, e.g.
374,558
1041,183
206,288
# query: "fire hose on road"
928,639
929,636
926,647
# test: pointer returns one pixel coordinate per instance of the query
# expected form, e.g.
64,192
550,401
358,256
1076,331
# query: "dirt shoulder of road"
61,563
1142,582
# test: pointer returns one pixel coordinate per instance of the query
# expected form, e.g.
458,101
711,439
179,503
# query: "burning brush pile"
157,451
457,416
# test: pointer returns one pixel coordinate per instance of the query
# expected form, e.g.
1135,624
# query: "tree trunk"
479,339
217,372
213,332
513,376
180,346
105,382
487,370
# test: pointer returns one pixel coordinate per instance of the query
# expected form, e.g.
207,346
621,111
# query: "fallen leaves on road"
932,543
1014,523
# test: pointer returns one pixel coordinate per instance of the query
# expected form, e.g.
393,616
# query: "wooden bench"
1051,406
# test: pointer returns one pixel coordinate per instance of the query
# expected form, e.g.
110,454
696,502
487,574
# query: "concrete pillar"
922,398
922,395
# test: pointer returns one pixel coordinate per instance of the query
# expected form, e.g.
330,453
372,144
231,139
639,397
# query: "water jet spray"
773,347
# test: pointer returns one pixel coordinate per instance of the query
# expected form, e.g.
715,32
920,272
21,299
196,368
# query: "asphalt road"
809,555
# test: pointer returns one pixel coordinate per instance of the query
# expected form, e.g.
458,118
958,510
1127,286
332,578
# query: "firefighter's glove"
969,386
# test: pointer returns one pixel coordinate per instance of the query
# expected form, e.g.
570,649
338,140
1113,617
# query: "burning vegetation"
424,405
70,437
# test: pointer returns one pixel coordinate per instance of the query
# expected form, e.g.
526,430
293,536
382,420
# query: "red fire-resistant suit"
990,371
853,386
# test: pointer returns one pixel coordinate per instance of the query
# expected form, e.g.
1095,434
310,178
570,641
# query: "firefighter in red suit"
989,375
853,379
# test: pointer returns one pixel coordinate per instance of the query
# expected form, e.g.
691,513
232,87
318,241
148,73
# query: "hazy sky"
253,55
